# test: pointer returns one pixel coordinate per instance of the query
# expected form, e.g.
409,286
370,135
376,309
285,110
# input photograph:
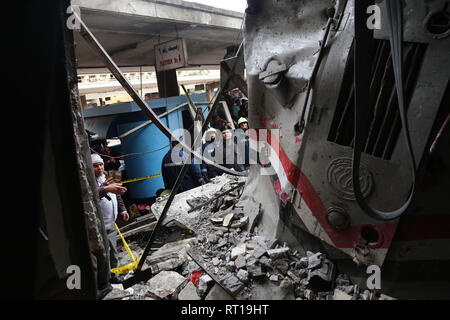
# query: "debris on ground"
225,258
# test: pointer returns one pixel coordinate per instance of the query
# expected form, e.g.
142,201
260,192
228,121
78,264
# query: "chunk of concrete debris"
266,262
240,262
189,292
165,283
216,220
232,284
227,219
215,261
277,253
251,246
303,263
314,260
170,256
255,270
230,266
273,277
322,277
258,252
238,251
242,222
212,238
341,295
293,276
117,294
281,265
204,284
242,275
261,241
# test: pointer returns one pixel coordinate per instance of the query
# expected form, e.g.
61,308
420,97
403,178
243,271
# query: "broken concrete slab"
243,275
170,256
117,294
227,220
241,223
232,284
218,221
238,250
266,262
258,252
322,276
252,209
314,260
204,284
165,283
255,271
179,208
189,292
240,262
278,253
230,266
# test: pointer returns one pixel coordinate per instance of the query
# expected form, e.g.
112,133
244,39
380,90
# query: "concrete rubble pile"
227,259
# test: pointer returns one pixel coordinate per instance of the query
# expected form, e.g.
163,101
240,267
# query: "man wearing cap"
208,152
243,124
112,206
242,141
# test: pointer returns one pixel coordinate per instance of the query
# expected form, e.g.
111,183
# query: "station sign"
171,55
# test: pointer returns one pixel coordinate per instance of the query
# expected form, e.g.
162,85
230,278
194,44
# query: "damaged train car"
307,62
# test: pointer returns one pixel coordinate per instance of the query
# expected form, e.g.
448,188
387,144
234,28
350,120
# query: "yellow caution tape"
140,179
126,268
130,266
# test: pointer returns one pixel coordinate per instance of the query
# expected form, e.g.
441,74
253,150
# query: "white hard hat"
242,120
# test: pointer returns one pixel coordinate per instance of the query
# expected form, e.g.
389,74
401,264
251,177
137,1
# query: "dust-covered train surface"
307,62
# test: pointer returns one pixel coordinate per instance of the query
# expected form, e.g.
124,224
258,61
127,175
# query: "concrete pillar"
83,102
209,88
168,83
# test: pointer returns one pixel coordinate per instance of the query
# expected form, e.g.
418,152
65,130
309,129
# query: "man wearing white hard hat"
243,124
242,140
112,206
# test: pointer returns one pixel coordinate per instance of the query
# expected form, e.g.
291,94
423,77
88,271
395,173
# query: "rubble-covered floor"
225,258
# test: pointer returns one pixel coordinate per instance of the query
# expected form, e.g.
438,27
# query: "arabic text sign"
171,55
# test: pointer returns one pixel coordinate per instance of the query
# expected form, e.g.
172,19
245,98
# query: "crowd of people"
222,144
